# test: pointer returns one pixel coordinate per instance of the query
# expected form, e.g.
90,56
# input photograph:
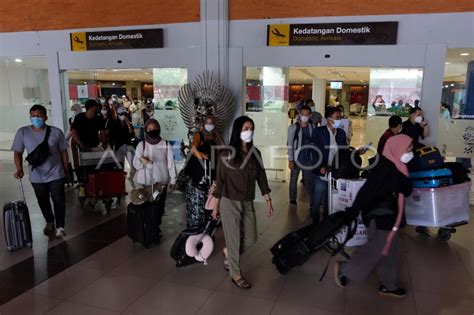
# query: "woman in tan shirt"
237,172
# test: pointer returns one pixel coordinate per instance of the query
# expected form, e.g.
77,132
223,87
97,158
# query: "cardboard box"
347,190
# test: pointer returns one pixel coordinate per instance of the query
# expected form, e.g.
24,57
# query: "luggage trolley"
102,178
444,207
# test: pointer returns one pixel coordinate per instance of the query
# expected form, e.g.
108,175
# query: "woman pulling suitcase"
198,167
155,165
237,172
381,201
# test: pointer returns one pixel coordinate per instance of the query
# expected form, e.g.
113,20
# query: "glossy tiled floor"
123,278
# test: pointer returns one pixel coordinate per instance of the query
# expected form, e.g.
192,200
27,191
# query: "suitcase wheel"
444,234
11,248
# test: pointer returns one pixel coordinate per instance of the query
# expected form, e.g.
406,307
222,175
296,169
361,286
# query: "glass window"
23,83
456,127
266,103
155,87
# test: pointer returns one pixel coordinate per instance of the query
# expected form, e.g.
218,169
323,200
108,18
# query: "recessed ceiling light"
85,82
464,54
113,83
18,60
452,84
446,86
136,79
447,63
114,70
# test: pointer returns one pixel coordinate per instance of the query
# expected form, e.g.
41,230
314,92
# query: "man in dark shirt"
87,126
395,127
415,127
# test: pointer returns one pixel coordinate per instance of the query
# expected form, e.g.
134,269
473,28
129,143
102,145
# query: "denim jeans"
307,182
52,190
320,192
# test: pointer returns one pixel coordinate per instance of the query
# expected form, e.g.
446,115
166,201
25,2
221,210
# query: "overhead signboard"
129,39
370,33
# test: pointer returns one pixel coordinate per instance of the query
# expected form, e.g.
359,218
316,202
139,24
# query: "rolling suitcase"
17,225
142,224
106,184
432,178
178,250
426,158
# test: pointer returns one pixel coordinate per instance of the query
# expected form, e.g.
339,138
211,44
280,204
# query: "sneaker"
60,232
293,203
48,229
394,293
341,280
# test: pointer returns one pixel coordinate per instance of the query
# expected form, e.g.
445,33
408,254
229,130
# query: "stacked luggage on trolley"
440,196
101,177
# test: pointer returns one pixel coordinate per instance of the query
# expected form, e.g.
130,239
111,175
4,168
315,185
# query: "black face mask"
154,134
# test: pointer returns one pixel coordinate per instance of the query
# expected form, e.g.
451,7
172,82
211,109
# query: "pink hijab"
395,147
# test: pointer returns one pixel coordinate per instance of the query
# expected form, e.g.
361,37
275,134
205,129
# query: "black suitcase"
178,250
460,173
17,225
142,223
291,250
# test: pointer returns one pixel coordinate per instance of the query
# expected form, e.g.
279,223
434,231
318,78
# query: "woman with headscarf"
155,164
237,172
381,201
202,145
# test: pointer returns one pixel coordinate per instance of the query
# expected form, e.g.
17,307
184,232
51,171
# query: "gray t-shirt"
52,169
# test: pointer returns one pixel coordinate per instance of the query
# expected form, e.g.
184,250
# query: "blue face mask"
37,122
336,123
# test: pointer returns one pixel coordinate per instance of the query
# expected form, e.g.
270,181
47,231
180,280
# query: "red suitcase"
106,184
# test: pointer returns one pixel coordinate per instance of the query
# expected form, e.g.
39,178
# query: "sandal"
241,283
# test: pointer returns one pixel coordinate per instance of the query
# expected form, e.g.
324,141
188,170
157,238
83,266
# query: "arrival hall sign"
371,33
129,39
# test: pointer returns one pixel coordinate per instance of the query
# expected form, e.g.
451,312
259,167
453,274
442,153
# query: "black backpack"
346,168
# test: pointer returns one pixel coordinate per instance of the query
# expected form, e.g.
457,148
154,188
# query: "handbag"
41,153
212,202
182,180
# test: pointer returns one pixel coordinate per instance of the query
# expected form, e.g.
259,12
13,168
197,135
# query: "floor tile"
229,304
29,303
78,309
68,282
295,309
169,298
113,292
434,304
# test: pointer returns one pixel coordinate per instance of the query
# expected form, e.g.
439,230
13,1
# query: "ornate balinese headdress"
205,96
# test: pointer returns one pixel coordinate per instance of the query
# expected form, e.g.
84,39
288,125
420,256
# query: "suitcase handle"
22,191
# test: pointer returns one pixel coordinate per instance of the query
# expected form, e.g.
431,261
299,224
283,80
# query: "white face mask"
103,112
246,136
102,101
418,119
122,117
111,101
304,119
406,157
209,128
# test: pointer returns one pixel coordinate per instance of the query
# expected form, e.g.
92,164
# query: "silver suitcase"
17,225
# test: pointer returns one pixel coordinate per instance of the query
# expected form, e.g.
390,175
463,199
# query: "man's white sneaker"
60,232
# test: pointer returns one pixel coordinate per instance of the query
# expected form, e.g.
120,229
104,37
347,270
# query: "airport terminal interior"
185,64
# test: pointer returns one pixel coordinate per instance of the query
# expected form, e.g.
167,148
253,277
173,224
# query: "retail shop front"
373,68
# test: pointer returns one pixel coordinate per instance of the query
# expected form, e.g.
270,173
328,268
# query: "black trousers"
52,190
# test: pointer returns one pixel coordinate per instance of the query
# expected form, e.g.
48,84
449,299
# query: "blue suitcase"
432,178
